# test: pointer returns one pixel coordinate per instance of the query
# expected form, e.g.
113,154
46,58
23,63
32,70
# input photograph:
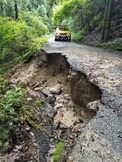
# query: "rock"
67,97
52,113
41,63
46,92
93,105
51,99
59,106
70,159
27,129
32,92
38,89
56,90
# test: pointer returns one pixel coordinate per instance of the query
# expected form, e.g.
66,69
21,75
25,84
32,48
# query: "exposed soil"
100,139
82,89
71,100
54,74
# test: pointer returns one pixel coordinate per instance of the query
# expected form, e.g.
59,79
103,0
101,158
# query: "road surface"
101,138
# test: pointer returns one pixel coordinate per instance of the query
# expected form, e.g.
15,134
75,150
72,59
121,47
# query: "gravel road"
101,138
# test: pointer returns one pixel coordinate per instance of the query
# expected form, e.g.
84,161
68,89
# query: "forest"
25,26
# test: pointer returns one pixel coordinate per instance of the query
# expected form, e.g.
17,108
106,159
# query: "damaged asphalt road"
82,87
101,139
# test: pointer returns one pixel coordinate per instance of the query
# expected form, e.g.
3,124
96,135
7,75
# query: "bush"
20,38
35,22
17,109
78,36
10,103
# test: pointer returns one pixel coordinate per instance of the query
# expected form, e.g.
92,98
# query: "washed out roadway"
101,138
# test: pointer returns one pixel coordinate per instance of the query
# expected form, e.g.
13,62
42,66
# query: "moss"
58,152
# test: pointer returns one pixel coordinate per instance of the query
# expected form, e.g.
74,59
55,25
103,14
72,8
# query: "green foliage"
79,15
78,36
15,108
21,39
116,44
11,35
18,38
58,152
7,8
42,8
35,21
10,103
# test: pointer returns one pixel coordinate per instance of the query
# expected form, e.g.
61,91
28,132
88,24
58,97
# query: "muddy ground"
83,88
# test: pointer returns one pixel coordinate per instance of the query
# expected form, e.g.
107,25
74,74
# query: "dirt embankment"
71,101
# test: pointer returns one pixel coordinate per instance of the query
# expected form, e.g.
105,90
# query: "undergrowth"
19,41
58,151
17,109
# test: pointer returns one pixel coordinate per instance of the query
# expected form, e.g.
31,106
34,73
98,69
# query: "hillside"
115,37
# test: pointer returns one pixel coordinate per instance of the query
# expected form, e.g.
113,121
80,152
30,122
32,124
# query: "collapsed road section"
71,100
101,138
82,89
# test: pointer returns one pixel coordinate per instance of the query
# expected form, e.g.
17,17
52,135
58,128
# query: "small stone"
52,113
56,89
93,105
46,92
78,127
27,128
58,106
38,89
40,63
70,159
32,134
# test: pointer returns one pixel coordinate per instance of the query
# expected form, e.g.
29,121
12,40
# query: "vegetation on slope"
85,19
17,109
24,25
80,15
23,29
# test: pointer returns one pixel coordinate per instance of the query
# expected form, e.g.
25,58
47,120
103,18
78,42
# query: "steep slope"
115,37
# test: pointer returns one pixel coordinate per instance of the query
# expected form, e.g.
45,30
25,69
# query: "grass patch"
58,152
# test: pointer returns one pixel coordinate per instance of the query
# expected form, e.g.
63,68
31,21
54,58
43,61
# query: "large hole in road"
69,101
56,69
75,99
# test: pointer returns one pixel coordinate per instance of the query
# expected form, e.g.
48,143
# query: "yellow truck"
62,33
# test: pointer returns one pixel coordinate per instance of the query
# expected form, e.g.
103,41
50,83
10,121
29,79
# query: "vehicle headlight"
68,34
58,34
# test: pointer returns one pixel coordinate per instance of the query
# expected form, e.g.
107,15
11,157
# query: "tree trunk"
16,10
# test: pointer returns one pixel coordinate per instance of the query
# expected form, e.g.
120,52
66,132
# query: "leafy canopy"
81,15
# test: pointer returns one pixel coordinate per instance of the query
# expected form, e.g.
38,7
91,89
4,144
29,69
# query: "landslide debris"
68,101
